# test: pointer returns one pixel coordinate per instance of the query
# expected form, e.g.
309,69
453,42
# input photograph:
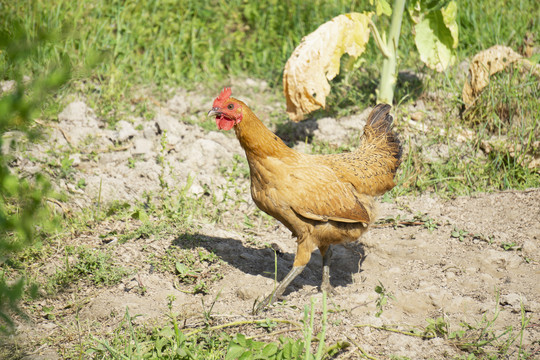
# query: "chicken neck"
257,140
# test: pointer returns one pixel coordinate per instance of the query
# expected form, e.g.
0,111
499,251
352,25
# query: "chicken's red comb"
224,95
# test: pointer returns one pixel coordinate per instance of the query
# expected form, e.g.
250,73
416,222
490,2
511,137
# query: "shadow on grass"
346,260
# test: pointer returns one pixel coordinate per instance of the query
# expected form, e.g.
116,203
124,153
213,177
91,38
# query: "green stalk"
323,330
389,69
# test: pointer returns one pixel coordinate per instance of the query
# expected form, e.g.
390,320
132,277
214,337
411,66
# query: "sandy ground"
425,265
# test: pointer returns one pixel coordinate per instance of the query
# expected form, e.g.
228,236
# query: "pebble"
142,146
514,302
125,131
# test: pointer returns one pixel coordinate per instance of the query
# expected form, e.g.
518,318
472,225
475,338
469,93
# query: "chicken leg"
280,289
303,255
326,253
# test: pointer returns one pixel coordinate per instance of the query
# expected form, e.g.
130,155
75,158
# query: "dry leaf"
486,63
316,60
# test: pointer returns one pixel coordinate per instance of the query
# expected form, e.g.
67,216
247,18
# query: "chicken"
322,199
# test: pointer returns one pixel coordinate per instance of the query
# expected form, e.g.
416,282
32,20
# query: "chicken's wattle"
223,123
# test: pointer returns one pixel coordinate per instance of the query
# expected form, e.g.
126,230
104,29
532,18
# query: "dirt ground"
449,258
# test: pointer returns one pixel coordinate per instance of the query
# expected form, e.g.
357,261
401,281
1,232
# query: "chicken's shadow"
346,260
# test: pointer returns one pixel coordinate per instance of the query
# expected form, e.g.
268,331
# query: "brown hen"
321,199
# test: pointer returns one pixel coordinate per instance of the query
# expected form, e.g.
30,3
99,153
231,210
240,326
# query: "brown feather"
322,199
295,187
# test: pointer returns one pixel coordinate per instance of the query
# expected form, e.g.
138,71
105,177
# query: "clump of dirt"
449,261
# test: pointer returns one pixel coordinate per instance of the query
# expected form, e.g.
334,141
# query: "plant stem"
389,72
323,330
240,323
378,41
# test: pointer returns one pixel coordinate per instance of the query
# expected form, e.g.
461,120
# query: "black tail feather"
380,118
382,122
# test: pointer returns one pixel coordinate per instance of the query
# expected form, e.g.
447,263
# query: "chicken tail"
378,131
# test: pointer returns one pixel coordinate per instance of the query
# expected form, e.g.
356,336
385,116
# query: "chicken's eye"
230,106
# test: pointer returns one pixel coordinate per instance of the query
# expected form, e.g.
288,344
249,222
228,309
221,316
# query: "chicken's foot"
280,289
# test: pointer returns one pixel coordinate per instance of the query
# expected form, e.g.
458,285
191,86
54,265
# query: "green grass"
94,266
169,42
152,44
196,267
478,340
186,41
164,342
124,54
214,342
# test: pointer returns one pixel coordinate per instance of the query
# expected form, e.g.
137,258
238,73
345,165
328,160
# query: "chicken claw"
295,271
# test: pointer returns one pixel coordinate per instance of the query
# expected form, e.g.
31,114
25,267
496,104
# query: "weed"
482,339
66,168
166,342
207,313
196,268
479,341
322,147
419,219
436,328
81,184
459,234
164,186
245,348
94,266
429,223
509,246
382,299
97,209
131,162
269,325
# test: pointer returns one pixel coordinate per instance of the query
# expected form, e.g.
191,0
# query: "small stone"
514,302
165,123
76,112
196,189
417,116
330,130
8,85
244,293
150,131
76,158
179,104
530,248
142,146
125,131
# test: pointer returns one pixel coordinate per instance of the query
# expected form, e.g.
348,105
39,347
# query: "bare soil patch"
451,263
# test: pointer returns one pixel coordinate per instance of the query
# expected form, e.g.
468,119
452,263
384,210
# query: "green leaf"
298,348
269,350
246,356
181,352
140,214
11,184
234,352
434,41
449,14
287,350
181,268
382,7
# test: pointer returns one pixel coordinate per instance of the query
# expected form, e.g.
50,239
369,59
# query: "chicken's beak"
214,112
